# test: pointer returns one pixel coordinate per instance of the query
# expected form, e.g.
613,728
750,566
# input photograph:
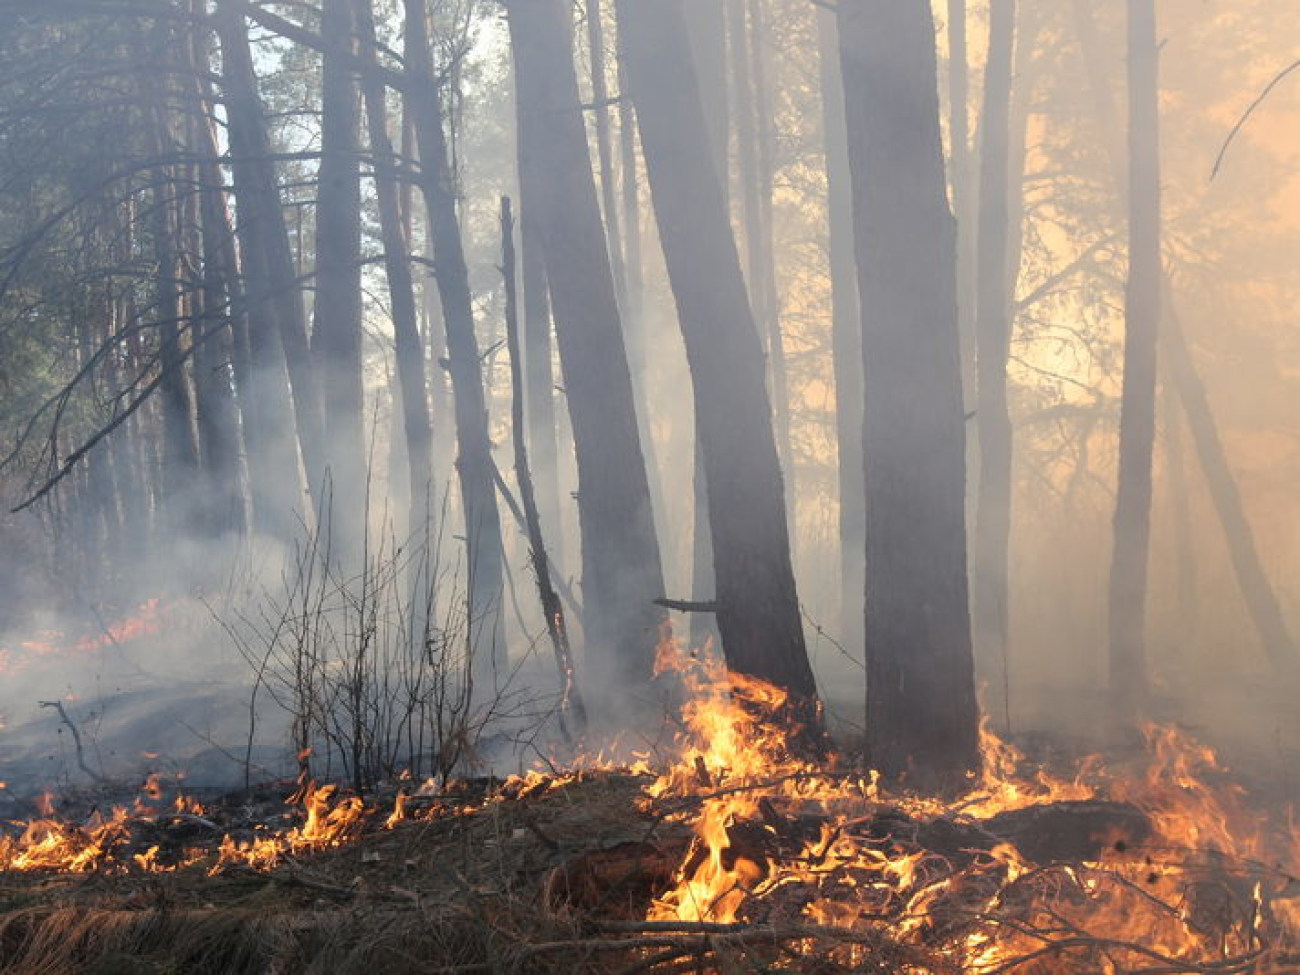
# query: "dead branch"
688,605
76,740
1250,110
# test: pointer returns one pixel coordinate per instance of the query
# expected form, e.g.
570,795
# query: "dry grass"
490,890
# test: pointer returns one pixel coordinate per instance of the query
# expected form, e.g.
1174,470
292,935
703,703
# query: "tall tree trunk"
763,284
180,454
218,416
604,147
922,718
401,289
539,382
474,463
336,331
753,131
621,567
571,702
180,459
993,335
846,337
1128,572
1186,613
962,177
707,25
1261,600
1258,592
631,202
638,357
222,262
757,605
274,298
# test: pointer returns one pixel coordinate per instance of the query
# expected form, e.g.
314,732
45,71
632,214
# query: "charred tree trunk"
757,606
622,573
993,336
922,719
846,338
336,331
1128,572
474,463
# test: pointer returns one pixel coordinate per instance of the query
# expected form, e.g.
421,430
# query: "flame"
145,620
1194,896
1203,886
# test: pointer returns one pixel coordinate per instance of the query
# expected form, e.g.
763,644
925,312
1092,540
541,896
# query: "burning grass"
735,857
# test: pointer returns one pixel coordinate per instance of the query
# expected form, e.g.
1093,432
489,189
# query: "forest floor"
560,873
551,877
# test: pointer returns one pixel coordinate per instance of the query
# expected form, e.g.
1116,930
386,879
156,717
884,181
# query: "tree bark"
922,718
758,607
622,572
1132,525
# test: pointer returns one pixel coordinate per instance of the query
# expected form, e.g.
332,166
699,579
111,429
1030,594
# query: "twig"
76,740
1241,122
685,802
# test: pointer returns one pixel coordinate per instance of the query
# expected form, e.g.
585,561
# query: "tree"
992,338
336,331
1128,572
756,603
846,336
752,113
620,554
413,388
474,464
274,299
922,718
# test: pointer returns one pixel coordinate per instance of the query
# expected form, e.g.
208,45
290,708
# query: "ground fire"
732,857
